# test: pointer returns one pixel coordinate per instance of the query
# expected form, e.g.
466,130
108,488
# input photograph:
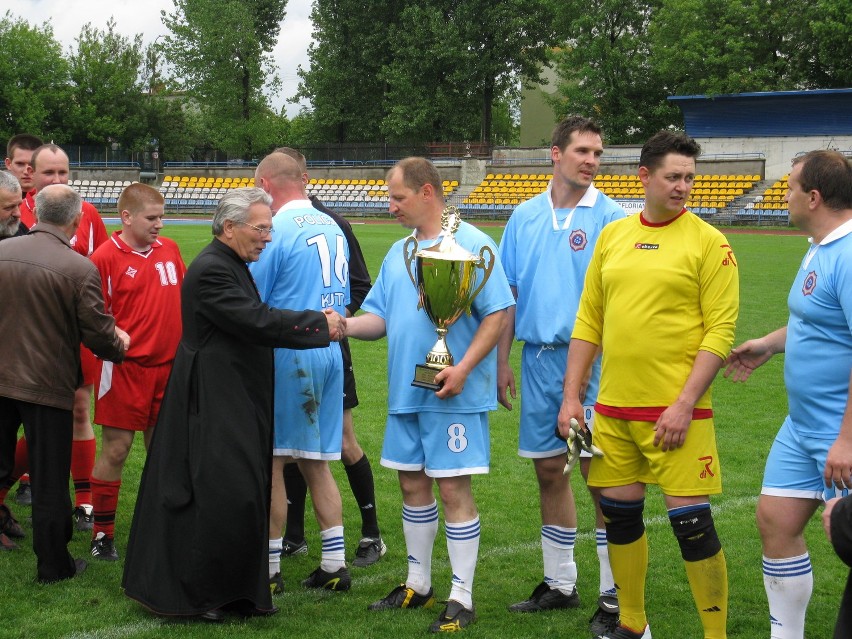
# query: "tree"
429,71
344,85
455,61
106,88
220,50
605,69
33,80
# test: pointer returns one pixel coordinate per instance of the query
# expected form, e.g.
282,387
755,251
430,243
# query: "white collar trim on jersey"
297,204
588,200
841,231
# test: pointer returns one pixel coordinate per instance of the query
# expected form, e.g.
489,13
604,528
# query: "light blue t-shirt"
411,335
545,254
818,352
306,265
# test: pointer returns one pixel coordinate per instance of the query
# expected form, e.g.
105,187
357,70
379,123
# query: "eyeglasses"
263,230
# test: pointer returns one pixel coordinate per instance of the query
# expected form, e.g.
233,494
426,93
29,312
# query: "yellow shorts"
630,456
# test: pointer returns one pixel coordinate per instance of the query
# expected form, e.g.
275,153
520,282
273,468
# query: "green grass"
747,416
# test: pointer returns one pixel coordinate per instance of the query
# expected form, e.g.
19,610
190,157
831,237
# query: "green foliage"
605,71
435,72
33,80
622,59
220,50
106,89
349,48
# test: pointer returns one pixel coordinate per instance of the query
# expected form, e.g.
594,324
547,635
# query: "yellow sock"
708,580
629,567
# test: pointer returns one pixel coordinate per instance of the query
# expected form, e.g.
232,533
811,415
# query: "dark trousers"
49,432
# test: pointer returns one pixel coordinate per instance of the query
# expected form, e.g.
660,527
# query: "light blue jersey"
306,266
545,254
818,352
411,335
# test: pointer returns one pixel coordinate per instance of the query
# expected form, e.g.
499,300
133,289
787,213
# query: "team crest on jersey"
810,283
130,272
578,240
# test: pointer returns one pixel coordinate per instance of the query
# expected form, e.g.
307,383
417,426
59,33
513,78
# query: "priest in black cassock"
198,542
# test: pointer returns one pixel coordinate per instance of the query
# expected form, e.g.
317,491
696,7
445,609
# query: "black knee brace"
624,523
695,532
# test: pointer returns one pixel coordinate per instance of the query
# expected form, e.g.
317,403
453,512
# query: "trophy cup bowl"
445,278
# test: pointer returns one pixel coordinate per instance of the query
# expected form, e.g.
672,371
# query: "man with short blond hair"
141,274
359,473
305,266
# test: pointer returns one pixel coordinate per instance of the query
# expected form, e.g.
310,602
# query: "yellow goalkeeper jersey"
654,295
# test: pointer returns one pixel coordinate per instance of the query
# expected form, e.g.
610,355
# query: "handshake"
578,440
336,325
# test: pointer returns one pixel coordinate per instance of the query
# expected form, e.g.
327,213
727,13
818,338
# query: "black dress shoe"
212,616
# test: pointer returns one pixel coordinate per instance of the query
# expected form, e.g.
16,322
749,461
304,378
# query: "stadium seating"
188,192
768,205
100,193
710,193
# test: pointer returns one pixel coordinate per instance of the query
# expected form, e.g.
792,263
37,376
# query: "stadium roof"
767,114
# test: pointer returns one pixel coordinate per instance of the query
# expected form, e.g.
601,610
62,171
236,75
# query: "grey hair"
235,204
58,204
9,182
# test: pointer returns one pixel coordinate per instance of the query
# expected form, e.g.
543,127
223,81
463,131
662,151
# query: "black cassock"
199,538
841,539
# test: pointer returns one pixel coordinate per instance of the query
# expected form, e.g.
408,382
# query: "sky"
143,16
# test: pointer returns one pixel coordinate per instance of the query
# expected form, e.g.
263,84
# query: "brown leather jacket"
50,301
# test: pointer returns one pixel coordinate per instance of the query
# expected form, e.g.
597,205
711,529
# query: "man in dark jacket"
58,292
211,454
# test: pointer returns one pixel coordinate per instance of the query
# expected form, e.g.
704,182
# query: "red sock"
21,464
22,461
82,463
105,501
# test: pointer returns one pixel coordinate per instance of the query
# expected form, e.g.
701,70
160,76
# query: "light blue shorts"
444,444
542,374
795,466
309,403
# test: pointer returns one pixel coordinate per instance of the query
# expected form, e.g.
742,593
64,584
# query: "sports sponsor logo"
578,240
646,247
130,272
729,259
706,472
810,283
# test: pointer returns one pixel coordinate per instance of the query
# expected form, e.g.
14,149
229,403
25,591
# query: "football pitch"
747,417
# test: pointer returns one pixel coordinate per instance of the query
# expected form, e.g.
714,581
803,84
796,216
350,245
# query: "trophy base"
424,377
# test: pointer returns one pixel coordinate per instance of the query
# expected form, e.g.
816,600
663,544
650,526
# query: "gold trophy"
444,276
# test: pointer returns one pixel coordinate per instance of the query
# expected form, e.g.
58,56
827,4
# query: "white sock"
463,548
557,547
333,549
607,580
789,583
420,527
275,546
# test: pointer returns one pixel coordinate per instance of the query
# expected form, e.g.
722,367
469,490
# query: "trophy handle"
487,266
409,250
